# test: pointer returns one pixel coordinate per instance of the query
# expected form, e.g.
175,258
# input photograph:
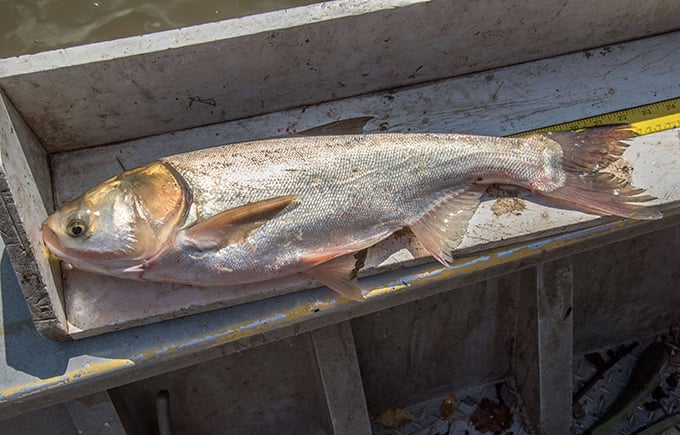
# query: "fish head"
122,223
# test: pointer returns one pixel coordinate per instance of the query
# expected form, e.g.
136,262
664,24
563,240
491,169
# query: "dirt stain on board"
509,205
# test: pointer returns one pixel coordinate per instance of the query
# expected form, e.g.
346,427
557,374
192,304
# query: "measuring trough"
75,117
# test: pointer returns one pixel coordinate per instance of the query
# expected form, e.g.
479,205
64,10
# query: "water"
31,26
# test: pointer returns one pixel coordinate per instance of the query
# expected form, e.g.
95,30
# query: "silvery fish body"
262,210
351,192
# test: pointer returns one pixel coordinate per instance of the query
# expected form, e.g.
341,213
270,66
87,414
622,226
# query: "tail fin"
585,154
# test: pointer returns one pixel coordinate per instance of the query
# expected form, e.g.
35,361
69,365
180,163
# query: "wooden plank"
654,158
134,87
339,368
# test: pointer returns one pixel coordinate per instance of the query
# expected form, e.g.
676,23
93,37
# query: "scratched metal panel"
448,341
627,290
53,420
134,87
275,388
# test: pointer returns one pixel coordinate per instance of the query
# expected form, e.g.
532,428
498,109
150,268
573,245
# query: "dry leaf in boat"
448,406
491,417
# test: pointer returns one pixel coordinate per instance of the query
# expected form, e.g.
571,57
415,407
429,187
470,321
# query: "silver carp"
262,210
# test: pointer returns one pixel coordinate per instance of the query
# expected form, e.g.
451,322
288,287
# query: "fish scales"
349,188
401,173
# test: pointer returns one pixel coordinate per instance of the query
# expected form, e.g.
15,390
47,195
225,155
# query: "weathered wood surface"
114,91
502,101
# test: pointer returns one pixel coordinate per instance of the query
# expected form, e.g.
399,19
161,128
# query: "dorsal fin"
236,224
343,126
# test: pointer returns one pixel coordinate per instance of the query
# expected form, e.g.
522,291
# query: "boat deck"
531,293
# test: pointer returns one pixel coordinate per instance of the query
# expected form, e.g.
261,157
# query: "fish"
312,205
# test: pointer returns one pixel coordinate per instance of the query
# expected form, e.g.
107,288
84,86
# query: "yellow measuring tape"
645,119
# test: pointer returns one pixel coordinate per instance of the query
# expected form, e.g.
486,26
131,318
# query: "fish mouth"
55,247
51,240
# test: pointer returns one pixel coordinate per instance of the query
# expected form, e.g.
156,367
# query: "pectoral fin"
340,274
442,228
233,226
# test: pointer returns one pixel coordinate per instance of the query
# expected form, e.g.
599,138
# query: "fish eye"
76,227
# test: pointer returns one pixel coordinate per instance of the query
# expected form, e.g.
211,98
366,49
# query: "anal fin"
443,227
340,274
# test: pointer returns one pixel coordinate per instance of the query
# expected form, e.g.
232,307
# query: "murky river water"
31,26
